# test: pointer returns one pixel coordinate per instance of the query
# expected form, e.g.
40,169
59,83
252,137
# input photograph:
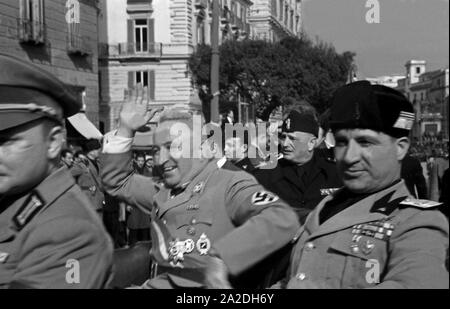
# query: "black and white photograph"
224,150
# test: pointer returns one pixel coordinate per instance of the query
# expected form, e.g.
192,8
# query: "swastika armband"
263,198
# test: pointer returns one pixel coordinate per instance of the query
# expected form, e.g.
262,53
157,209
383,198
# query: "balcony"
78,45
155,50
139,6
130,50
31,31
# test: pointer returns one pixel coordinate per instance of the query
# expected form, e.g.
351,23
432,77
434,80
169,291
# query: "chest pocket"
193,223
356,261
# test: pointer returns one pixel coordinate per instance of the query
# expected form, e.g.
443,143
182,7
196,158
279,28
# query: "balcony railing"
31,31
77,44
152,50
127,50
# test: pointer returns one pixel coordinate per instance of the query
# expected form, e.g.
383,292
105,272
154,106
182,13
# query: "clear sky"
408,29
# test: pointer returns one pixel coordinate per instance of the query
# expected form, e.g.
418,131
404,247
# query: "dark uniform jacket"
87,177
224,211
412,173
384,240
303,193
51,233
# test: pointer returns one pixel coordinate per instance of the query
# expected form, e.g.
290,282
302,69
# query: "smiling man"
372,233
49,236
209,225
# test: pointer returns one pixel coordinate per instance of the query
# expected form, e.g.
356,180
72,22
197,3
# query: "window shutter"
130,45
151,84
24,12
131,82
151,35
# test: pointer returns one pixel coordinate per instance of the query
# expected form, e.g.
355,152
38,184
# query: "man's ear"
55,141
312,143
402,144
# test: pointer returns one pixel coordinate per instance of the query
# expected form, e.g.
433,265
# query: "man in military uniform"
372,233
303,177
86,174
209,225
49,235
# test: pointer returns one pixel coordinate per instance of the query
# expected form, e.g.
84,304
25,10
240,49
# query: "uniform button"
355,249
310,246
301,276
191,231
164,222
194,221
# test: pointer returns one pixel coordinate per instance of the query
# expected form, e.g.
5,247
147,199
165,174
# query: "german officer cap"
27,93
365,106
301,122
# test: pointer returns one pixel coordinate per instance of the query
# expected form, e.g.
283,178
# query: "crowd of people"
334,197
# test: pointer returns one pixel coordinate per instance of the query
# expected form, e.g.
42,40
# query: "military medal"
368,247
203,245
176,251
189,246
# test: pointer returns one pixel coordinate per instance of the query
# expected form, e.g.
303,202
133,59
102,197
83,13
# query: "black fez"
301,122
92,144
365,106
28,92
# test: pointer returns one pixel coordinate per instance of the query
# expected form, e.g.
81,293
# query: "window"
418,70
142,78
274,8
146,78
286,15
201,36
31,21
291,25
281,9
141,35
421,96
431,128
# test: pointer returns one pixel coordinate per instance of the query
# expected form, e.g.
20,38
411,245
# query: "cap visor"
9,120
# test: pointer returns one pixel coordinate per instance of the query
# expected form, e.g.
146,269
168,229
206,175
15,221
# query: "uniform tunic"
51,233
220,209
385,240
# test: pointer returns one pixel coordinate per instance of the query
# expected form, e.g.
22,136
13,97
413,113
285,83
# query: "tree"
265,73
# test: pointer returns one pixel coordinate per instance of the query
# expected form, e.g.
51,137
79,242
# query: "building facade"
388,81
150,42
59,36
428,91
273,20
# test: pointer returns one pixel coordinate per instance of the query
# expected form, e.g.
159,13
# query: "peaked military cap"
301,122
376,107
28,92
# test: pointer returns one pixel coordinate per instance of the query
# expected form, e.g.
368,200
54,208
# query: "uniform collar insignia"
3,257
385,205
33,204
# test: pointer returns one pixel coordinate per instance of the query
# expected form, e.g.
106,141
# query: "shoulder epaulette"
424,204
29,210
